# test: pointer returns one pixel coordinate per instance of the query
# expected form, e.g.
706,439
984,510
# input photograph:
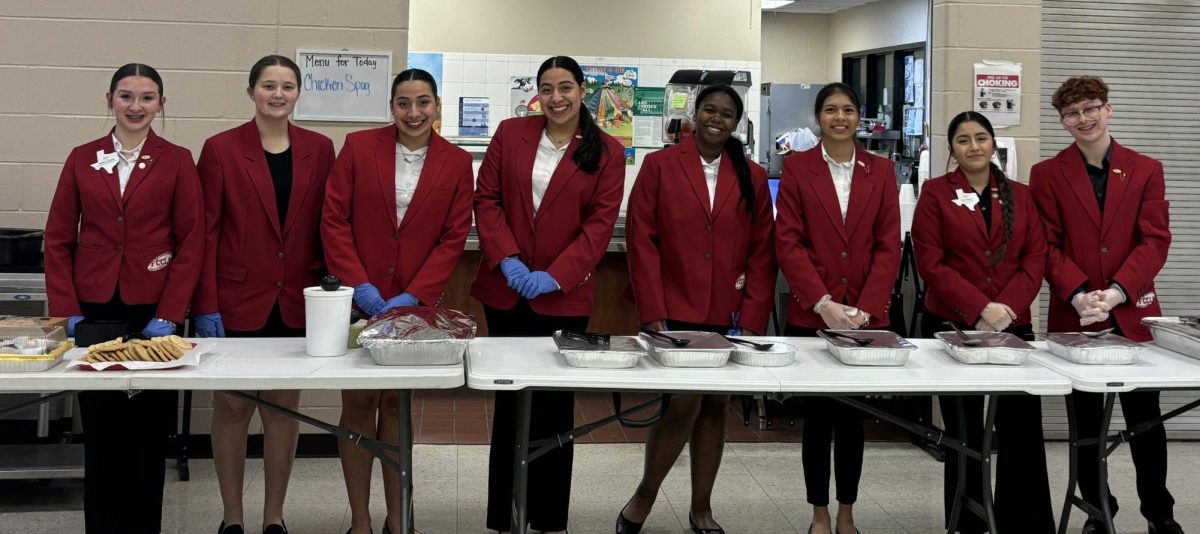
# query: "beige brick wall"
965,32
795,47
59,55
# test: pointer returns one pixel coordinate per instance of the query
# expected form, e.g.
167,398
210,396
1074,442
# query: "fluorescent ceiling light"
773,4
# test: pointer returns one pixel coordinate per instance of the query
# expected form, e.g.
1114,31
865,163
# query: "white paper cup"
327,320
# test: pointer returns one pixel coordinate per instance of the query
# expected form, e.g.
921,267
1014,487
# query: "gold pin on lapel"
142,165
1118,171
145,156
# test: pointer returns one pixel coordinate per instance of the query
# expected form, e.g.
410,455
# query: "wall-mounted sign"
998,92
344,86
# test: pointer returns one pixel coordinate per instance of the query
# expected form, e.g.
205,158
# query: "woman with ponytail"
548,194
701,257
837,236
980,248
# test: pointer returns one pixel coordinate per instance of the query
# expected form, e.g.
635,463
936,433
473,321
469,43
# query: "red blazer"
954,250
1128,245
570,232
856,261
250,262
363,240
681,272
149,242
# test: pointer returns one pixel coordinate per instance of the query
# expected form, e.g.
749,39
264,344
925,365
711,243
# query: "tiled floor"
760,490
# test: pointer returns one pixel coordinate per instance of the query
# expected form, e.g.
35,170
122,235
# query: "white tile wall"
488,75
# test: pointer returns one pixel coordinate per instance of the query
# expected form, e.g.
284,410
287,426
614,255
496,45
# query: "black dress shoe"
231,529
835,531
1165,526
1094,526
276,528
698,530
625,526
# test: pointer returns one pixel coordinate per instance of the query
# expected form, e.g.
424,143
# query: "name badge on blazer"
105,160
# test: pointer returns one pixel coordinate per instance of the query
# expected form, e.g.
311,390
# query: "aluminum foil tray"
416,352
33,351
705,350
1176,334
1110,349
995,348
779,355
886,348
418,335
620,352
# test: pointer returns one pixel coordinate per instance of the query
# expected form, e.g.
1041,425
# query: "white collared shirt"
125,162
407,175
544,164
842,173
711,170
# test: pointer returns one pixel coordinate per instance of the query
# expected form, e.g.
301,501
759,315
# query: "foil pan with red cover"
418,335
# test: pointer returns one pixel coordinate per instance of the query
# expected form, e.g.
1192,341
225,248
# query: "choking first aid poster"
998,92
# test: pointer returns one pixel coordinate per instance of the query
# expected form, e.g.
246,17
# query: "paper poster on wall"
523,99
473,116
430,62
610,96
344,85
998,92
649,105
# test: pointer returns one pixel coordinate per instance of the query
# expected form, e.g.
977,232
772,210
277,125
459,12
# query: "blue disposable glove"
158,327
400,301
368,299
537,283
71,322
515,271
209,325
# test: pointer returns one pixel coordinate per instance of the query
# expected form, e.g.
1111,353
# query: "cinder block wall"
59,56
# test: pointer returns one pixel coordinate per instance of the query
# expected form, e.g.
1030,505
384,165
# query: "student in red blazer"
546,200
980,248
837,239
1107,226
717,280
264,183
397,214
124,242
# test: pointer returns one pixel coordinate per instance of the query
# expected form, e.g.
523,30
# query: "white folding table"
1156,369
236,364
930,370
527,364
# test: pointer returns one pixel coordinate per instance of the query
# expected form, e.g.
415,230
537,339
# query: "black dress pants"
825,417
549,488
125,444
1149,451
1022,497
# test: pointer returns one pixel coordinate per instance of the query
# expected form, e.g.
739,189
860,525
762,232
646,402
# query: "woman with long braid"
980,247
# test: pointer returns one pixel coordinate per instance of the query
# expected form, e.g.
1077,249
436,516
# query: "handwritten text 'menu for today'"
330,85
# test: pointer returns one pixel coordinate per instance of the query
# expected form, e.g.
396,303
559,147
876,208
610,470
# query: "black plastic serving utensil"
966,340
589,338
856,340
678,342
757,346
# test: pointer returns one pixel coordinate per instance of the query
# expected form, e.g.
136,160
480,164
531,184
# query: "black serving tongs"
587,337
967,341
678,342
862,342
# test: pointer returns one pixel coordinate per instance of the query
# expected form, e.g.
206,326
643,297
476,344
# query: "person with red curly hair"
1106,222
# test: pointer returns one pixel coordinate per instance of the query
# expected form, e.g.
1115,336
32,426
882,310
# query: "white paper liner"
190,358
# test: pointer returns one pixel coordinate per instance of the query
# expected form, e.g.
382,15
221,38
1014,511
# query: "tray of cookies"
164,352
